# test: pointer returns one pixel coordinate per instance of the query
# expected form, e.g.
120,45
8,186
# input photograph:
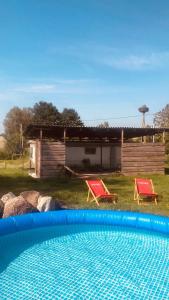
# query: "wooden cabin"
128,150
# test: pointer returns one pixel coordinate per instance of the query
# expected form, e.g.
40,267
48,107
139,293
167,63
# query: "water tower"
143,109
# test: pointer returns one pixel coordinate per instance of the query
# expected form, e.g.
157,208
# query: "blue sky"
105,58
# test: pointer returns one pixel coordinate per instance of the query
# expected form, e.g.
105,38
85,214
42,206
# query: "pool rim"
150,222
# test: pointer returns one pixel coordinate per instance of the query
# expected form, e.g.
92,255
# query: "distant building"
2,142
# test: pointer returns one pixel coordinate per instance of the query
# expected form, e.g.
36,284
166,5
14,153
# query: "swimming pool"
84,255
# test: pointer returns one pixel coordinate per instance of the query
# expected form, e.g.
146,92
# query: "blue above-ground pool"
84,254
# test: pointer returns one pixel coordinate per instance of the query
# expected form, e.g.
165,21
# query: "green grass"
72,193
22,163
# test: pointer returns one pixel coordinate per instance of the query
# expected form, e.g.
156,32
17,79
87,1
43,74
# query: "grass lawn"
72,193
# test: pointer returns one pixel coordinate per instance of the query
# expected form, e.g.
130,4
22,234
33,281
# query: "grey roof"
53,131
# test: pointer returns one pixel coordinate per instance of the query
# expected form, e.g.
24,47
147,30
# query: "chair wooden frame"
95,198
141,196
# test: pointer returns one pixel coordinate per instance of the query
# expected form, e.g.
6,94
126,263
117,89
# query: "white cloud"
122,59
51,88
136,62
36,88
57,86
60,88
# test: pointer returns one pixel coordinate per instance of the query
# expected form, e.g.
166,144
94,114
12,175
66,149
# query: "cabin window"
90,150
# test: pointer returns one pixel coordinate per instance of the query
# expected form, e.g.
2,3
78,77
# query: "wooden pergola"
137,155
52,131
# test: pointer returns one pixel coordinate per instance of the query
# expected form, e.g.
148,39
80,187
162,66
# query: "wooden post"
21,138
122,142
122,136
153,134
36,158
41,134
110,156
30,165
163,136
40,159
64,135
101,156
64,140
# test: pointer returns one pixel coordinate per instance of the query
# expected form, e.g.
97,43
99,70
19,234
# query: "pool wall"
102,217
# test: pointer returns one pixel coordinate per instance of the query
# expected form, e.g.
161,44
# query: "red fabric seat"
98,190
144,188
148,195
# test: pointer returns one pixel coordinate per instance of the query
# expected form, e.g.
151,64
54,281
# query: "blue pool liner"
145,221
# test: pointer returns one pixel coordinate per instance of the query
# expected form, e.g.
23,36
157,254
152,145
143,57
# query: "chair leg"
96,201
138,199
115,198
88,196
135,194
155,199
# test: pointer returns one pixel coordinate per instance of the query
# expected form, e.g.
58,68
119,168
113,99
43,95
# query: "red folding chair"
98,190
144,189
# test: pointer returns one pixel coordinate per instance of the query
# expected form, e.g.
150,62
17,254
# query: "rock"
7,197
31,197
17,206
46,203
1,208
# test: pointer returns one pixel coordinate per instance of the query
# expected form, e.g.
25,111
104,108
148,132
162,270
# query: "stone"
7,197
31,197
17,206
46,203
1,208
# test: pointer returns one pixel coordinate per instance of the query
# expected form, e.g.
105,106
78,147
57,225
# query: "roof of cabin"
53,131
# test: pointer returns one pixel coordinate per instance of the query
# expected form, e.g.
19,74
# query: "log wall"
136,158
51,156
140,158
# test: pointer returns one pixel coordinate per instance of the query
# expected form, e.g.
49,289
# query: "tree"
46,112
69,117
161,118
15,123
104,125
